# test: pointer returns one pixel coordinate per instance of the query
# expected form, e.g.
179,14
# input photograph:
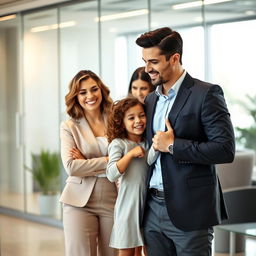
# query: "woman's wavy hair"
74,109
116,128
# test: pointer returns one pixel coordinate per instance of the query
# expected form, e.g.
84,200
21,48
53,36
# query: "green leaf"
46,171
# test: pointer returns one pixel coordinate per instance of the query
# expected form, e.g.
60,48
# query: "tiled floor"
24,238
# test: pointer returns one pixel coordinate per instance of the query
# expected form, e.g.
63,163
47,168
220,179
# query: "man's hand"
162,140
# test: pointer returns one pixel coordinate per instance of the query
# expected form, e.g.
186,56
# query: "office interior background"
43,44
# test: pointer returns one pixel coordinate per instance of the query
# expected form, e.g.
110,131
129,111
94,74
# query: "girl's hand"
138,151
76,154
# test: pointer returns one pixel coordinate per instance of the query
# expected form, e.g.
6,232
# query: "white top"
103,146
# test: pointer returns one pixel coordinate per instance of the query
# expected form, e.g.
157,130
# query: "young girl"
127,162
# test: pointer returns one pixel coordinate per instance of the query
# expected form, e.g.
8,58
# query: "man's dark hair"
168,41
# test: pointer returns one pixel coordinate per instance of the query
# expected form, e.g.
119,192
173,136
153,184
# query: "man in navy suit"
189,124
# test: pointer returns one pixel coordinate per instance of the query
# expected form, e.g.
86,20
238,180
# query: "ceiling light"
53,26
198,19
250,12
197,3
122,15
8,17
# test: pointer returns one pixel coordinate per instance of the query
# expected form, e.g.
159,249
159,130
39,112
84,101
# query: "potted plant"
46,173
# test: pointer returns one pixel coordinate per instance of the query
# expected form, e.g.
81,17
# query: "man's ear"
175,58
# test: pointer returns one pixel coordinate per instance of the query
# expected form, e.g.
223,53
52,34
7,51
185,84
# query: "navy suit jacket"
204,137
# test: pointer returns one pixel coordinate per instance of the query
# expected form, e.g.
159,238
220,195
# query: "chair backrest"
241,205
239,172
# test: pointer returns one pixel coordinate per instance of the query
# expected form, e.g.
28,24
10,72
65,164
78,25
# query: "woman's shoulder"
69,123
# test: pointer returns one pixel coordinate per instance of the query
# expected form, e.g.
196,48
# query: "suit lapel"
181,98
150,114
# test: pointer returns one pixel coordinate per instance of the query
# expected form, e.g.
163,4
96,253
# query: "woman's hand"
76,154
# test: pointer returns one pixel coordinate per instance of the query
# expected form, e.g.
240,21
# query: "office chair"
241,206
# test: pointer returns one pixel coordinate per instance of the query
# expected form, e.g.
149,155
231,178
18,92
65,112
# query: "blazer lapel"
181,98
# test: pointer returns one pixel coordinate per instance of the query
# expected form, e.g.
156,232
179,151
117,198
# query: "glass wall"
41,97
189,23
232,55
79,43
121,23
11,170
232,65
41,51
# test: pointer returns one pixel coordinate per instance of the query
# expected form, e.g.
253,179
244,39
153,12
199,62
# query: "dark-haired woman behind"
140,84
88,197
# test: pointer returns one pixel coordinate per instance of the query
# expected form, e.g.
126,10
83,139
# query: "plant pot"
49,205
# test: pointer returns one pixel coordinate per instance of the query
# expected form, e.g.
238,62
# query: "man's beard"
158,81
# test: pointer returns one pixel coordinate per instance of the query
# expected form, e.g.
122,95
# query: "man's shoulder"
150,96
199,83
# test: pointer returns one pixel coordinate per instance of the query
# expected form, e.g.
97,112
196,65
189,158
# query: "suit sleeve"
115,152
78,167
219,146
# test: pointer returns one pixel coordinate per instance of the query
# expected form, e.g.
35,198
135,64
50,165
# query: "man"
189,124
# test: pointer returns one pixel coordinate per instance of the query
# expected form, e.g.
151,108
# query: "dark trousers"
162,238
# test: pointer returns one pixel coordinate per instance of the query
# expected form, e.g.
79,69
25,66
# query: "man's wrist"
170,148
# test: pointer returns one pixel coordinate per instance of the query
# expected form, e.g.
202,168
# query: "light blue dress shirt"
163,108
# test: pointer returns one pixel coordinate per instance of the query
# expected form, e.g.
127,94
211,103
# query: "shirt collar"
174,89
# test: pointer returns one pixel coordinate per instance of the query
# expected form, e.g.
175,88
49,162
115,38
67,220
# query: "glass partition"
79,43
188,21
232,55
121,23
41,108
11,167
232,65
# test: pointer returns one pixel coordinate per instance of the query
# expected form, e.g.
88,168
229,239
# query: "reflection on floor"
16,201
25,238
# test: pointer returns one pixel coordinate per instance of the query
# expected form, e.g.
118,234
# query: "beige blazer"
82,172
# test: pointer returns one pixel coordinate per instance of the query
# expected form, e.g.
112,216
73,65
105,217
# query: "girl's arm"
123,163
152,155
118,162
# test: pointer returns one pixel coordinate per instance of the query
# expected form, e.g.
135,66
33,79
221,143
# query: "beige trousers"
87,229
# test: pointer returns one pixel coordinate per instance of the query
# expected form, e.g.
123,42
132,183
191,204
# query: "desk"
246,229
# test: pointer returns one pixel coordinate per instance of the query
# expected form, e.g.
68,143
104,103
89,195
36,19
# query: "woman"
140,84
88,197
